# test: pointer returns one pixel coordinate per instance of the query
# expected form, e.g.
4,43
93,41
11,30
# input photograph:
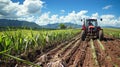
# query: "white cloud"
70,17
108,16
118,22
28,18
30,10
30,7
54,18
107,7
10,10
75,17
81,13
108,20
43,19
62,11
95,16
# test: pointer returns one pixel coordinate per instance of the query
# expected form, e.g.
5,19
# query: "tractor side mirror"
81,20
101,19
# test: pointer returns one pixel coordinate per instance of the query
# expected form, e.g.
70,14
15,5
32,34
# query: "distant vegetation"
112,32
62,26
15,24
57,25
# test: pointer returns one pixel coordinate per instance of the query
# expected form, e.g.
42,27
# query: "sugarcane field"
59,33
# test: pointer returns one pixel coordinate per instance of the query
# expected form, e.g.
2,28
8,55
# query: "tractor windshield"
93,23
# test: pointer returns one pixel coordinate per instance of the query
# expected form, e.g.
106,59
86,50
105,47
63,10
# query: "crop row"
115,35
112,32
21,42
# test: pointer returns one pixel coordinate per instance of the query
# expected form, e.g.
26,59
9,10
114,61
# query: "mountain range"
56,25
17,23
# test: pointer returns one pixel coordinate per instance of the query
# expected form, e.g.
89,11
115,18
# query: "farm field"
63,49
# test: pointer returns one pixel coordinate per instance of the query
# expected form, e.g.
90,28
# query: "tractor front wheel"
83,35
101,35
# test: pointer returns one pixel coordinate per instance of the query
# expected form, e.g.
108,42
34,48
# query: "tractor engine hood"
91,26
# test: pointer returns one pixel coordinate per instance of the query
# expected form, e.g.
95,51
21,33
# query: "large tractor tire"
101,35
97,35
83,35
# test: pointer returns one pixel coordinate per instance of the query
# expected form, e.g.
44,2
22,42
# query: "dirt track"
77,53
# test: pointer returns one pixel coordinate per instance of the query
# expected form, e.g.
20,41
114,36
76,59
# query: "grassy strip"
24,61
109,58
115,65
119,58
72,49
94,53
102,47
64,48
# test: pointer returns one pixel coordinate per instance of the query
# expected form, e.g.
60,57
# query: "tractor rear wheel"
83,35
101,35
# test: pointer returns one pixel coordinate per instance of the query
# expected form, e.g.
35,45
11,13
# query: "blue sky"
45,12
91,5
54,6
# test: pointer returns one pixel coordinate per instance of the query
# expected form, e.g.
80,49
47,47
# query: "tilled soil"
77,53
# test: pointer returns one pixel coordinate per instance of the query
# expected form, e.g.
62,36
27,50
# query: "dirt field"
77,53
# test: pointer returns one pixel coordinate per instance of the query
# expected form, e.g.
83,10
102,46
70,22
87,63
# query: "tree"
70,27
62,26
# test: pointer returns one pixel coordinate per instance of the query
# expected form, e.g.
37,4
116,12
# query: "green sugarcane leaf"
24,61
7,42
0,39
5,50
20,40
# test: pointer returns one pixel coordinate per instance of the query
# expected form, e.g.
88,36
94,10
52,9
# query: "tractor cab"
91,25
91,22
90,28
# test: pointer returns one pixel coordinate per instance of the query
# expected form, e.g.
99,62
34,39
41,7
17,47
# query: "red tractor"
91,29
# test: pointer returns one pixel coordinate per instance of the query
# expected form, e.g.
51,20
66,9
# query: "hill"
56,25
16,23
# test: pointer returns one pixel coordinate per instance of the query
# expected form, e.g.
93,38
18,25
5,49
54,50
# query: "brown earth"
77,53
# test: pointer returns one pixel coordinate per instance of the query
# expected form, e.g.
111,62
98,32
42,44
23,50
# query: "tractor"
90,29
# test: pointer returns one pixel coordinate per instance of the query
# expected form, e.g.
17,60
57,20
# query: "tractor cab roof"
91,19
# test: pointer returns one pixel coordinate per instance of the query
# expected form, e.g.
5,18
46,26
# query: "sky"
45,12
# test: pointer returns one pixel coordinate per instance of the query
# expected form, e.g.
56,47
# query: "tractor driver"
90,24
